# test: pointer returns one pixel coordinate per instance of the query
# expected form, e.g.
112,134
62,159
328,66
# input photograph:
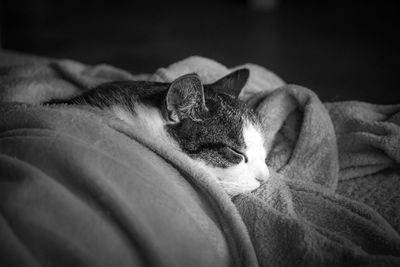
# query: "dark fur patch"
125,94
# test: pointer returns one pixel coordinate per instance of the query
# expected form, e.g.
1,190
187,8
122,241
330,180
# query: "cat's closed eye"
238,153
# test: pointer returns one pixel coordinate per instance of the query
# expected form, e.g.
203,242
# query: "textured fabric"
369,154
77,192
332,198
321,154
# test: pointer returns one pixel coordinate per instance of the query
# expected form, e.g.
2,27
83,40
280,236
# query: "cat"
207,122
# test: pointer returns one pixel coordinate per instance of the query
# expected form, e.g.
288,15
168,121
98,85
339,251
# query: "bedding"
81,188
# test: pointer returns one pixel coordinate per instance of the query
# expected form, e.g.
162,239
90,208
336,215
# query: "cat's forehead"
225,109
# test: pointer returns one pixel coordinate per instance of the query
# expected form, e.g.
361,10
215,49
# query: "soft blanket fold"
78,190
332,200
297,212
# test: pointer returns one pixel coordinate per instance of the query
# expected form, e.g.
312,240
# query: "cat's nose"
263,175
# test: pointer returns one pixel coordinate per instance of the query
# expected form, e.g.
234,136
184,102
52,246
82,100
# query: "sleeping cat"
208,122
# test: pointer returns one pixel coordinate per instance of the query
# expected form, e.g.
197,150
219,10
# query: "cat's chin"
234,189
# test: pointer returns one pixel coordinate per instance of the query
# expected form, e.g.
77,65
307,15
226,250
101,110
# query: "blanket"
333,196
314,211
77,189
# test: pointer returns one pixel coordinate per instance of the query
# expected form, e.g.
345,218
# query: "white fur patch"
246,176
147,121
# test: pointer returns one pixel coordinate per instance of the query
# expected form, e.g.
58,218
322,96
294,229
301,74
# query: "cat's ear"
185,99
233,83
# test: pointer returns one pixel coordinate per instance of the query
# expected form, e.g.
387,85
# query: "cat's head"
212,125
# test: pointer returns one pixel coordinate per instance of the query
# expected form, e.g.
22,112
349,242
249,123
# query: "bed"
80,188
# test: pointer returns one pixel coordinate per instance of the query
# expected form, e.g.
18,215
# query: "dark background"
343,50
